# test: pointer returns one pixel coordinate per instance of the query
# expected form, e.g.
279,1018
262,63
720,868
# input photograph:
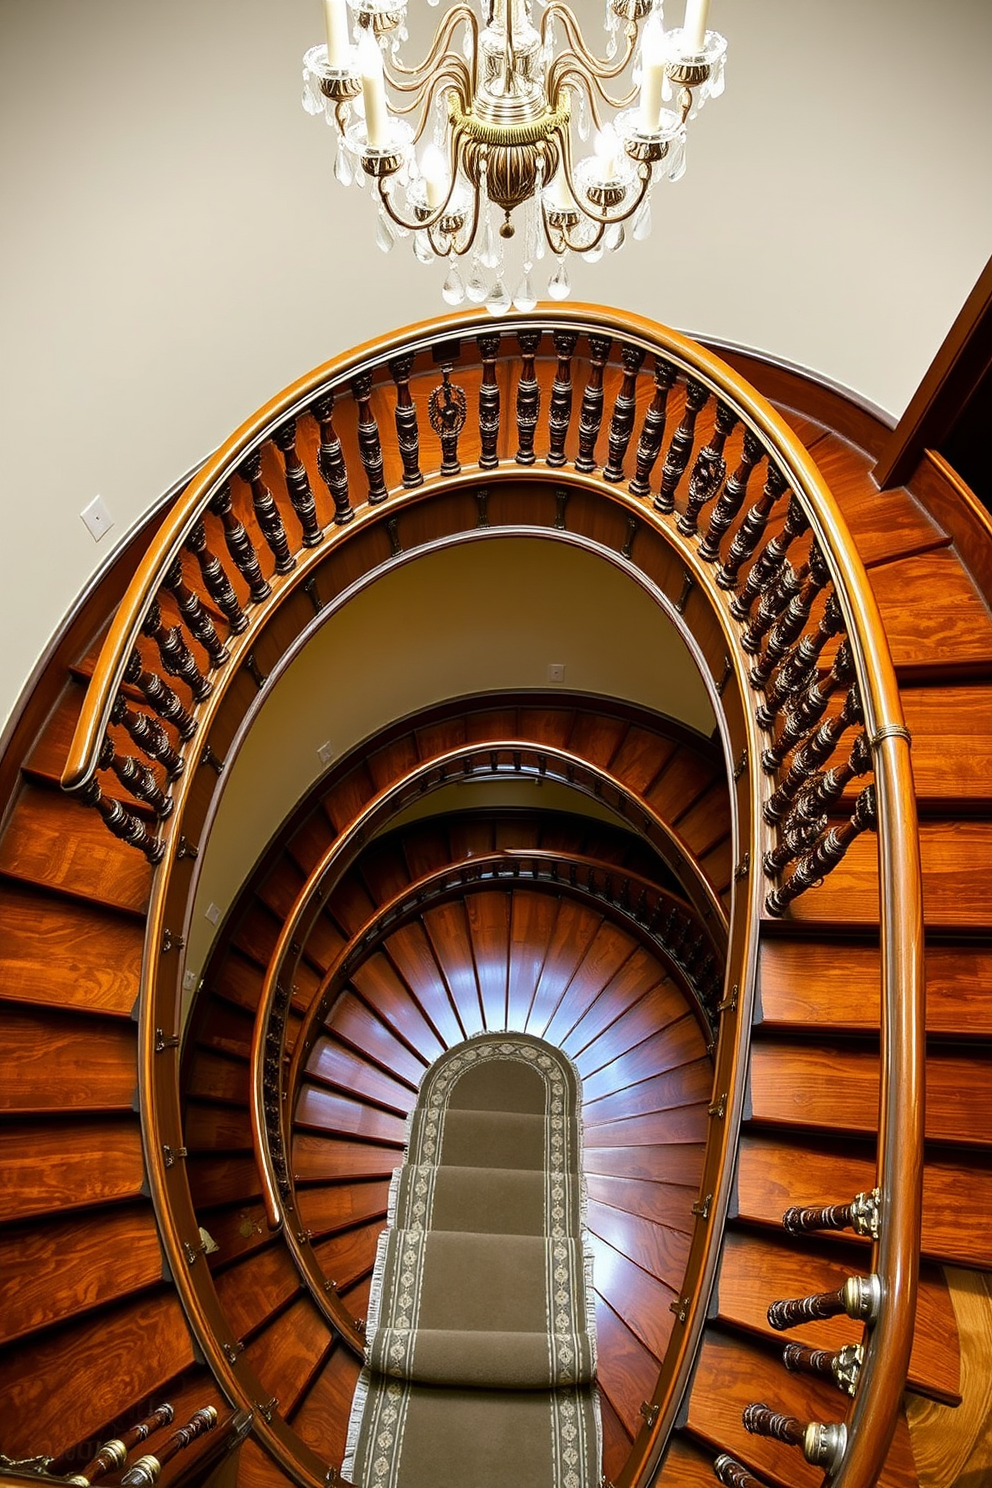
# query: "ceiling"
175,249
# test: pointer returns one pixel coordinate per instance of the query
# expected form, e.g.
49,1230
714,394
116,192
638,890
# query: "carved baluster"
240,545
160,696
176,656
653,428
822,1444
298,484
859,1297
708,470
843,1368
677,459
624,409
808,708
560,413
330,460
827,853
528,397
752,530
407,432
777,594
733,1475
215,580
197,620
861,1215
732,498
796,670
791,624
145,1472
824,791
123,823
447,412
113,1454
799,835
135,777
591,412
149,735
489,402
812,755
369,444
770,560
267,513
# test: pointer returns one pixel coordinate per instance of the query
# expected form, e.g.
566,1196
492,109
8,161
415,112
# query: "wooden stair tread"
340,1205
56,842
358,1026
933,615
325,1111
55,1061
628,1370
63,952
51,1167
251,1291
640,1300
884,524
321,1418
656,1249
952,744
287,1354
345,1071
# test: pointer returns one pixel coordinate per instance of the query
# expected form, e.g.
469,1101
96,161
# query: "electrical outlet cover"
325,752
556,671
212,913
97,518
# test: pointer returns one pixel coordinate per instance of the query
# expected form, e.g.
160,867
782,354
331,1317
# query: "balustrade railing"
665,435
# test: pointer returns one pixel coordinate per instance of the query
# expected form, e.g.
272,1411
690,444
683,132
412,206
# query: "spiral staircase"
725,934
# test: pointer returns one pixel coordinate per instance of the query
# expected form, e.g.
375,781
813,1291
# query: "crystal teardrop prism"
524,297
342,167
453,290
384,239
595,254
642,221
615,237
475,289
559,285
488,251
498,300
311,104
422,248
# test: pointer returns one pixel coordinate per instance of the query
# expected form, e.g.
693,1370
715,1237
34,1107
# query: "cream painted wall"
486,615
174,248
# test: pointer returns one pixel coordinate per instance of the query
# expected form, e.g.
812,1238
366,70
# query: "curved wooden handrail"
901,1099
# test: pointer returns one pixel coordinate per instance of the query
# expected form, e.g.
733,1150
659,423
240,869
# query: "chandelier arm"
442,39
572,66
451,70
559,73
425,224
598,65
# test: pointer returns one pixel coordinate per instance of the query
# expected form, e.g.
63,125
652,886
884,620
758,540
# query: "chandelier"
475,146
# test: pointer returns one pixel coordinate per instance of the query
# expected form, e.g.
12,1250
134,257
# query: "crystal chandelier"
482,129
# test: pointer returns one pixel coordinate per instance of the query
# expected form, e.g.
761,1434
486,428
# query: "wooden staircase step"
60,844
219,1077
257,1287
957,891
365,1032
608,956
665,1203
336,1114
532,921
316,1159
349,1255
628,1371
344,1071
52,1167
657,1249
636,976
617,1441
321,1418
58,1269
338,1206
63,952
756,1271
210,1128
834,983
288,1353
675,1163
885,524
574,930
830,1086
952,745
224,1180
935,620
640,1299
55,1061
680,1041
686,1085
488,916
380,988
686,1465
226,1029
640,758
256,1469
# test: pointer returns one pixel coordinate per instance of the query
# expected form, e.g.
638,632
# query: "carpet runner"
481,1337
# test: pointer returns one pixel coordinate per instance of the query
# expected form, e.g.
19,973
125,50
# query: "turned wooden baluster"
859,1298
135,777
122,823
709,469
160,696
677,459
792,622
770,560
732,1474
860,1215
528,397
828,852
298,484
149,735
176,656
489,403
814,753
624,409
113,1454
369,444
267,513
761,1420
215,580
560,411
145,1472
796,671
824,791
591,412
752,529
407,430
330,460
842,1368
732,498
653,428
240,545
198,622
799,835
806,710
821,1444
784,584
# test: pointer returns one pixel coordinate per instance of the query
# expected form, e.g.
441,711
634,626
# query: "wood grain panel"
337,1206
952,744
124,1355
256,1287
933,615
488,917
53,1167
53,841
686,1465
322,1417
62,952
356,1025
410,952
639,1300
290,1352
257,1470
59,1269
58,1061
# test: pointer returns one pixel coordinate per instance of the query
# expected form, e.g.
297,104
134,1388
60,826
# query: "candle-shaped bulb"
373,92
434,169
652,74
694,25
559,196
338,40
606,146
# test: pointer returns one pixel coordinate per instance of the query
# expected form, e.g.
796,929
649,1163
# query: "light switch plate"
97,518
212,913
556,671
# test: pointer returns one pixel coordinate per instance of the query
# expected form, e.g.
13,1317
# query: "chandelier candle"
499,111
